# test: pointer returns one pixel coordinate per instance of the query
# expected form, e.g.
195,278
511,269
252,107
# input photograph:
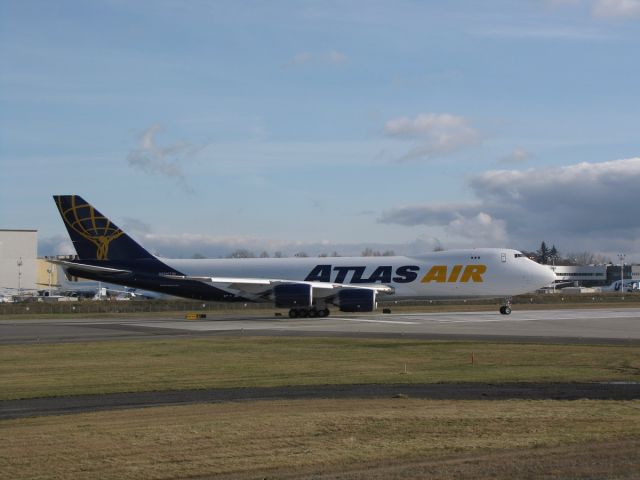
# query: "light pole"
50,271
19,263
621,256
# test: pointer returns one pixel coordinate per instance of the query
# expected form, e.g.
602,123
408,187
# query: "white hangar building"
18,259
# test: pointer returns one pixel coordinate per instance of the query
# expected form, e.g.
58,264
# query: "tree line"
245,253
551,256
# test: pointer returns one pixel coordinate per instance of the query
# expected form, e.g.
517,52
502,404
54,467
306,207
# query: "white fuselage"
487,272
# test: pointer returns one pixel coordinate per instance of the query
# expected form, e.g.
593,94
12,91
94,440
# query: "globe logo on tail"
91,225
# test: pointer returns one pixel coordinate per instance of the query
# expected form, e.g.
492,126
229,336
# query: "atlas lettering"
357,274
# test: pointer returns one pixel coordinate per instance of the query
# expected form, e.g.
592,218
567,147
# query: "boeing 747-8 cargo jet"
305,286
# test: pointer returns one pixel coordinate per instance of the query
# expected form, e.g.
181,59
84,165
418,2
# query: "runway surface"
619,325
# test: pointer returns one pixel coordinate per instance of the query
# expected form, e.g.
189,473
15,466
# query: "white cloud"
167,160
481,229
616,8
433,134
586,205
301,58
518,155
435,214
55,245
336,57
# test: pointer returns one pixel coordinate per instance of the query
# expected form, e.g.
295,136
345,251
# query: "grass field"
393,438
28,371
332,439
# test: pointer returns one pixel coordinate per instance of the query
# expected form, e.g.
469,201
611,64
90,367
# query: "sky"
319,126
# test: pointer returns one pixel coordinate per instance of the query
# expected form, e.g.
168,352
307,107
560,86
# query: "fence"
159,306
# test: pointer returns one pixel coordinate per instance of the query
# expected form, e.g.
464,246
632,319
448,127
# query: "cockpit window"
518,255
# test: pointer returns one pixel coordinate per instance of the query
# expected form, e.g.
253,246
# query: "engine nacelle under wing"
357,300
293,295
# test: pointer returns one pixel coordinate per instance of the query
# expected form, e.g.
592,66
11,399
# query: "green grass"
28,371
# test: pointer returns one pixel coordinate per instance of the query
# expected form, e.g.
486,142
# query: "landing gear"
506,308
312,312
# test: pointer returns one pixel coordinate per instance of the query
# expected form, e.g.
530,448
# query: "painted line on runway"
394,322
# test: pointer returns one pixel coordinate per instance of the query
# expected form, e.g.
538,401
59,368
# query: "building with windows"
593,275
583,275
614,274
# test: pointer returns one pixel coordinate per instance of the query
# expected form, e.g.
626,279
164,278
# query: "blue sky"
205,126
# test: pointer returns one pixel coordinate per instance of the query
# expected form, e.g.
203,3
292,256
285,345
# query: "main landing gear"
506,308
309,312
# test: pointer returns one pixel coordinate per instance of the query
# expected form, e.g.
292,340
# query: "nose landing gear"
506,308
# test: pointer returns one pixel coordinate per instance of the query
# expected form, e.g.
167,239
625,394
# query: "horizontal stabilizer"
89,268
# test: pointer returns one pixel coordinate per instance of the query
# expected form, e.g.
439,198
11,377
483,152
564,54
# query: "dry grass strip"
338,439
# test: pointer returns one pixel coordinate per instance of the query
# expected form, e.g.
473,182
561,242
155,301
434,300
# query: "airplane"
627,286
306,286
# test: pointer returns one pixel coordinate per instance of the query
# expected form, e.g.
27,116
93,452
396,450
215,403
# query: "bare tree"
587,258
241,253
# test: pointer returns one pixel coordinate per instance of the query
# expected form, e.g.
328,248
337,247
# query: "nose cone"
544,276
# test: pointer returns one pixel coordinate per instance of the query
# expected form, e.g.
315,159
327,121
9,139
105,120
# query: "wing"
261,288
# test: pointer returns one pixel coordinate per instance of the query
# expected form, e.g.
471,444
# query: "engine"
357,300
292,295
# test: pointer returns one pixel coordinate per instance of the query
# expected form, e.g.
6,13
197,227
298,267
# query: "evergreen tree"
542,254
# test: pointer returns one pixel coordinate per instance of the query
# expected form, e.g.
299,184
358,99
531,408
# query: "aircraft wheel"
313,312
505,310
293,313
324,312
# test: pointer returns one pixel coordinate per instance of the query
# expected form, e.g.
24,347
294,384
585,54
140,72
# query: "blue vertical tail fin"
94,236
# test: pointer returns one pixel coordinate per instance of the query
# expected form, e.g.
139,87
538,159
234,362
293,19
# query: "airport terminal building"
593,275
586,275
